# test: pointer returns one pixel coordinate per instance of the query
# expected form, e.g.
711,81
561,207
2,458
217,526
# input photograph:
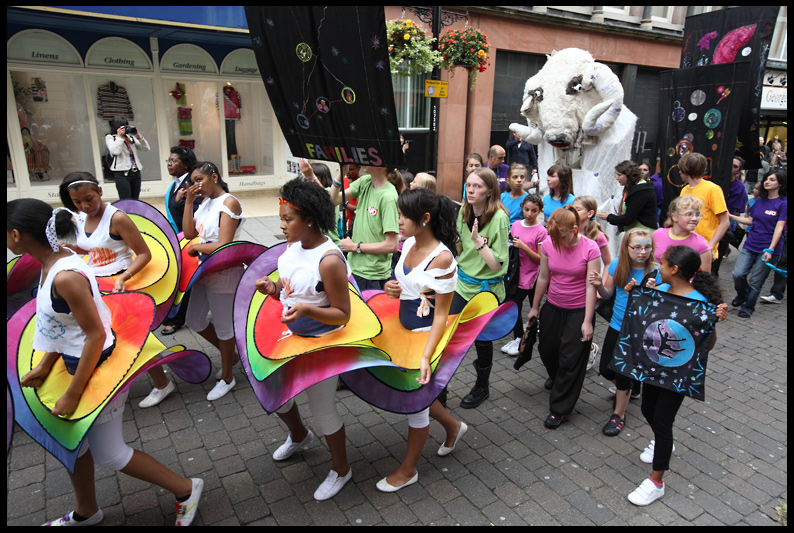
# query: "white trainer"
771,299
186,510
647,455
332,485
157,395
288,448
511,348
646,493
220,389
68,520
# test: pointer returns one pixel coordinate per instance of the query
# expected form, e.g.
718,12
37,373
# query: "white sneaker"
157,395
593,355
288,448
771,299
186,510
332,485
67,520
512,347
220,389
646,493
647,455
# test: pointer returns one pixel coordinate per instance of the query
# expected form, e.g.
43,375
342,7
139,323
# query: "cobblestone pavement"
730,464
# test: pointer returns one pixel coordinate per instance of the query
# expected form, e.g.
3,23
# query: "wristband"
770,251
337,184
481,247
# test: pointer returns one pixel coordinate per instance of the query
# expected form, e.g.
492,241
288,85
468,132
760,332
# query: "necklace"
45,268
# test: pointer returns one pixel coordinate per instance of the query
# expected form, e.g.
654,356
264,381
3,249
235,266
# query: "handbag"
527,343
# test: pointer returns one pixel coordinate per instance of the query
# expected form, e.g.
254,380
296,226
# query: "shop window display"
130,98
192,117
53,120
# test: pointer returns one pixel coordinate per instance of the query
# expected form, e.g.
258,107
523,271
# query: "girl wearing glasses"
635,260
683,216
216,222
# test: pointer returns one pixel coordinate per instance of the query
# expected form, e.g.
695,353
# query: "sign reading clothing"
326,71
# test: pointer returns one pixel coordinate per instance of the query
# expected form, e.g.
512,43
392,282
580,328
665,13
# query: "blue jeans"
750,263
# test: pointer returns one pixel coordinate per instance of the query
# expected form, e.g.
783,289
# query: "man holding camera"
123,146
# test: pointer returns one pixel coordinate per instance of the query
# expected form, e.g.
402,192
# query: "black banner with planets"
326,72
700,111
664,341
741,35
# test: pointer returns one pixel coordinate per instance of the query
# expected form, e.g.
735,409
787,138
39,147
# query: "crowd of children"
562,259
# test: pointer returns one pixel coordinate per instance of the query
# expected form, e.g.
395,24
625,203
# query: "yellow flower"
408,23
406,37
481,54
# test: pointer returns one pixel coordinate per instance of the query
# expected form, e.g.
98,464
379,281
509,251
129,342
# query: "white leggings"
419,420
105,438
214,293
322,402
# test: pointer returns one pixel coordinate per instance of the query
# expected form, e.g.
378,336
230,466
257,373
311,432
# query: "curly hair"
688,262
313,203
631,170
414,203
72,178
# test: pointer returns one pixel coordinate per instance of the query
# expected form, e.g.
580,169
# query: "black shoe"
744,314
737,302
548,384
480,392
553,421
171,329
614,426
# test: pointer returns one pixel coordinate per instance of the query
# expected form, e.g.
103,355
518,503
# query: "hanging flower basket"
410,50
466,48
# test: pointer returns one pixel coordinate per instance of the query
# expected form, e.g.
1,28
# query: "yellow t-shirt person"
713,200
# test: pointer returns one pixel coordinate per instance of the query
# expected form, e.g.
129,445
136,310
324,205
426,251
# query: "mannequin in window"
232,105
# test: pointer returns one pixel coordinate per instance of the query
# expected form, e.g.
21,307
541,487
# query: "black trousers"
622,383
128,183
563,354
659,407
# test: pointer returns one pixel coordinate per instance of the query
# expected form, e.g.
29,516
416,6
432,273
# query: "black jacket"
640,207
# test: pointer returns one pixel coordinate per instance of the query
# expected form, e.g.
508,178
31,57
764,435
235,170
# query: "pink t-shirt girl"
532,236
662,240
568,272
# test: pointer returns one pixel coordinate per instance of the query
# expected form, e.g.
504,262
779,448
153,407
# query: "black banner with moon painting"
664,341
741,34
700,111
326,72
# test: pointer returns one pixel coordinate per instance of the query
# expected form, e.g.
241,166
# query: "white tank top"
208,219
106,255
56,328
302,268
420,281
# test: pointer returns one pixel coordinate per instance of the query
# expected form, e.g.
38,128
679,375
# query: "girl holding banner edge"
679,265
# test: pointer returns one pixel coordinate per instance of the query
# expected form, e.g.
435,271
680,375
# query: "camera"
130,130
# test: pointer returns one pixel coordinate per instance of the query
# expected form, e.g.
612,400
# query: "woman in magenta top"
566,261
